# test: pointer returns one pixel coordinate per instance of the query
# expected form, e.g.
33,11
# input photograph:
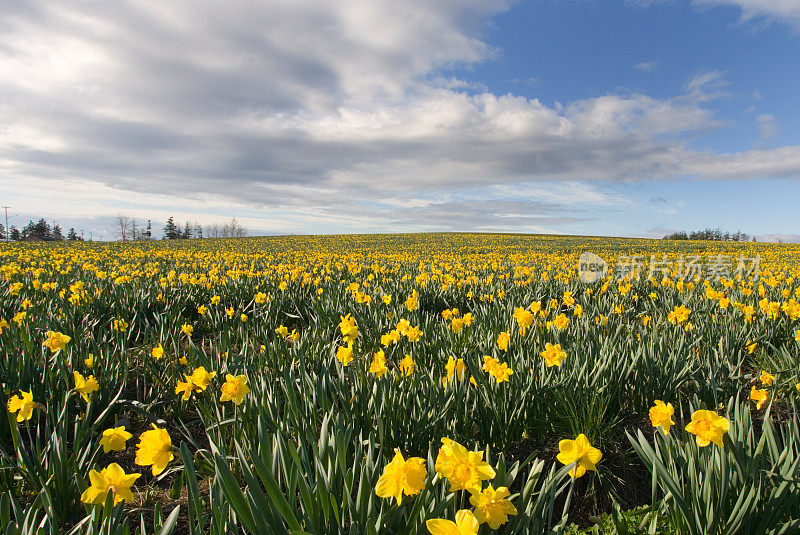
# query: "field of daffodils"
450,384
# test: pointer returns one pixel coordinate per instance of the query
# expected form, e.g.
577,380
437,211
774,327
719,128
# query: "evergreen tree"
42,229
57,235
148,233
187,232
2,232
171,231
16,235
72,235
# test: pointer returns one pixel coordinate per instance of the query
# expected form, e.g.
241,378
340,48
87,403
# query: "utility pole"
8,232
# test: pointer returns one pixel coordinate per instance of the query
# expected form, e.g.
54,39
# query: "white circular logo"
591,267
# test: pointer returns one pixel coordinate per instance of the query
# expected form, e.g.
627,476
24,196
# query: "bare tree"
122,227
231,229
134,234
238,229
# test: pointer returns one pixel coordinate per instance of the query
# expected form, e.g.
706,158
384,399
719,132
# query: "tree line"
42,230
126,228
709,234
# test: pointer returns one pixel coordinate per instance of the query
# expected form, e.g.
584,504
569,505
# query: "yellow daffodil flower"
466,524
234,389
581,453
114,439
111,479
154,448
708,427
401,477
661,415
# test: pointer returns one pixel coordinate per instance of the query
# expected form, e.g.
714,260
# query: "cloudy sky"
611,117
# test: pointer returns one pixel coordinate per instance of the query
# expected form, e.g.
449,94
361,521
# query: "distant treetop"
708,234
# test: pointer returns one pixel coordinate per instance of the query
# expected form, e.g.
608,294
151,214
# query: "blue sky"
561,51
631,118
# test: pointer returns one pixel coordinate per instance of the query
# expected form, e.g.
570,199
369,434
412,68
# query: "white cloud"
785,11
767,125
706,85
778,238
318,111
783,162
646,66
